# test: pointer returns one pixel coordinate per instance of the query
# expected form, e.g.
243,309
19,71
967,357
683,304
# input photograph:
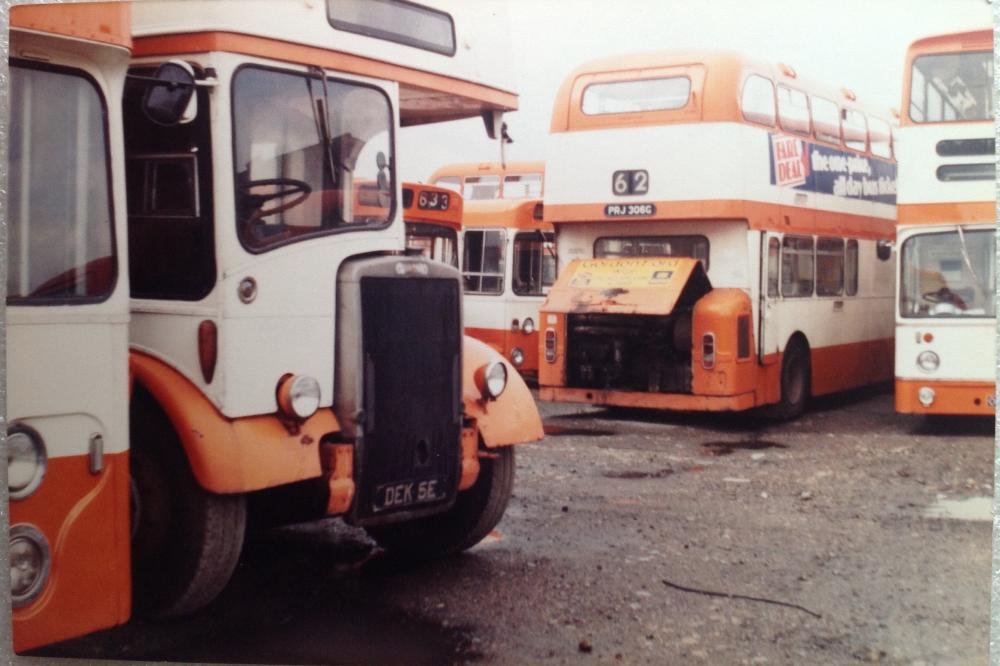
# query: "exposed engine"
630,352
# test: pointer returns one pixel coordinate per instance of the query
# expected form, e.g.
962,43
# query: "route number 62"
634,181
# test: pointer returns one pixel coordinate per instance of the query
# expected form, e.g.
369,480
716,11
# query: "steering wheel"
284,187
944,295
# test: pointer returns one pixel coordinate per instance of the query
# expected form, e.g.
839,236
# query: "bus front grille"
410,450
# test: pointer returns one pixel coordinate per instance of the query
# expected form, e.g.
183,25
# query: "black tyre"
475,513
795,374
186,541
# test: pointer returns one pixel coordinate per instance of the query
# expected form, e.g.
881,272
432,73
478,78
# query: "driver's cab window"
311,156
169,185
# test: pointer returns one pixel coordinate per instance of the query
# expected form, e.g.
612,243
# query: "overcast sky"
859,44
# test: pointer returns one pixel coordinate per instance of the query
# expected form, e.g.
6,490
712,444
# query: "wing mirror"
170,98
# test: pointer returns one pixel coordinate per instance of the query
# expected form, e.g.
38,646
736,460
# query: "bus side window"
797,266
855,130
851,267
481,187
482,261
793,110
757,101
826,120
881,137
773,259
829,266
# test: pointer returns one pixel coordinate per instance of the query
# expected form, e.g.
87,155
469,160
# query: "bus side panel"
84,518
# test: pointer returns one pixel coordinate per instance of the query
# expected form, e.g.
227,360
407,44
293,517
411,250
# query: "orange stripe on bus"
950,397
205,42
104,22
946,213
761,216
85,518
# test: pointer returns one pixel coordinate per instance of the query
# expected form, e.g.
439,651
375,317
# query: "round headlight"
926,396
928,361
496,378
517,356
298,396
26,461
491,379
29,564
528,326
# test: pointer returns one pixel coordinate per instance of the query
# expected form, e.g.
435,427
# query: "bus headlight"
491,379
928,361
517,356
528,326
29,564
298,396
26,461
926,396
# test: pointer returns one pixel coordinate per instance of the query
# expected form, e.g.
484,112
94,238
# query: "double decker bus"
67,322
508,254
433,218
946,237
723,229
285,359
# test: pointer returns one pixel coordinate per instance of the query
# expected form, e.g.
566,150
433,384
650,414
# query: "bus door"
770,265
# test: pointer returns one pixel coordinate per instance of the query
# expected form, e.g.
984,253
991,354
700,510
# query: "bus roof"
462,169
715,98
971,40
434,86
101,22
520,214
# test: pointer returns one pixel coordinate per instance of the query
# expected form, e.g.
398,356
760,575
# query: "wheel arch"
510,419
230,455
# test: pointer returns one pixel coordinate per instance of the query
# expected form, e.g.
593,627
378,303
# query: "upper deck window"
660,94
477,188
880,135
310,158
757,102
60,247
793,110
826,120
522,186
395,21
952,87
855,129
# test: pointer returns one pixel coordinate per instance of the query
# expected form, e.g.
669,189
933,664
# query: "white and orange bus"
486,181
286,360
433,218
723,229
946,238
508,254
67,322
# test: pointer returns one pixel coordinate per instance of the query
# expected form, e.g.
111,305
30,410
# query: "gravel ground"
852,535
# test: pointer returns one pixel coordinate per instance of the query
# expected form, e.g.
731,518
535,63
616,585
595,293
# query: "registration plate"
408,493
629,210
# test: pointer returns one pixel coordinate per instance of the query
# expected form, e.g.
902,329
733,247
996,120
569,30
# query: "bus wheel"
475,513
185,541
794,382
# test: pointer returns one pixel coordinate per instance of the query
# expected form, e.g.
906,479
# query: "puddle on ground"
558,431
725,448
632,474
970,508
